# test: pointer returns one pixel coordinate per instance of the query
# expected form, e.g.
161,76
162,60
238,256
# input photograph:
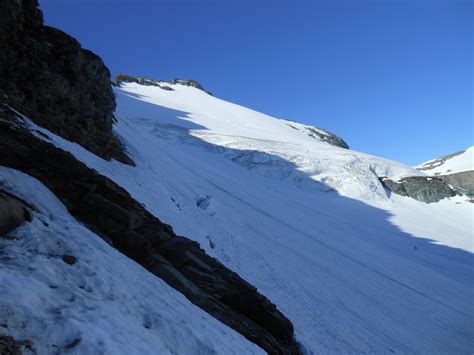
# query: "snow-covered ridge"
450,164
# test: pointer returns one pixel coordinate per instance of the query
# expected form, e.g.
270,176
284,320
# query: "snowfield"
104,303
355,268
454,163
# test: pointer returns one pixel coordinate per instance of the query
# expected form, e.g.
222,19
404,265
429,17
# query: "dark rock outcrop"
48,76
111,212
125,78
10,346
422,188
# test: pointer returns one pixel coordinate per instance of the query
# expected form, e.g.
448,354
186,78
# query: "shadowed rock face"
422,188
112,213
45,74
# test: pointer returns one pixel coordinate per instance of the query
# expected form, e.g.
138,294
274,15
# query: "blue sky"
393,78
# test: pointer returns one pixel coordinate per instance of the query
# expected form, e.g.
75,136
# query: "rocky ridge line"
162,84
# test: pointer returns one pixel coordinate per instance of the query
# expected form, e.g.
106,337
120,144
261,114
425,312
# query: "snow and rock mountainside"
111,213
66,89
355,268
66,290
456,170
450,164
287,206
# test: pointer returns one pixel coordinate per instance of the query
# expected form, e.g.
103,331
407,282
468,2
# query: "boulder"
13,212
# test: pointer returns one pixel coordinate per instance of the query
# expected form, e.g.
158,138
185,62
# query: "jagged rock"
189,82
327,137
48,76
125,78
111,212
13,212
462,183
422,188
320,134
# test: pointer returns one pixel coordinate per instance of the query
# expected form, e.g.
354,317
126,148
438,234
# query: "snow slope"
355,269
104,303
454,163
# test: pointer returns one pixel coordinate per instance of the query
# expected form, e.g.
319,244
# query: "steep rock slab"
47,75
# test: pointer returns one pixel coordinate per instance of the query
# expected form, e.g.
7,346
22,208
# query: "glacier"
355,268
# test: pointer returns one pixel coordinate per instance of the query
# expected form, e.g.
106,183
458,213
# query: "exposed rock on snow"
422,188
111,212
189,82
125,78
456,169
462,182
320,134
47,75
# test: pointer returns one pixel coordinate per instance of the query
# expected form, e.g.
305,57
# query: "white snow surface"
357,270
455,164
107,301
